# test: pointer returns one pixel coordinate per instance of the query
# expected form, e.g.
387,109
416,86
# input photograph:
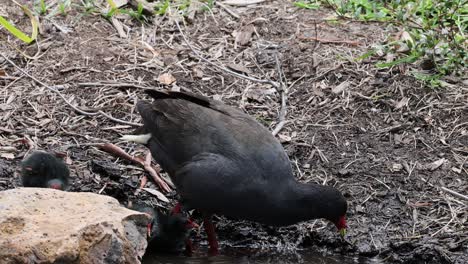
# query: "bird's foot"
188,247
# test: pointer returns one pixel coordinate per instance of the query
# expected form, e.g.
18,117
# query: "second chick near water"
166,233
44,170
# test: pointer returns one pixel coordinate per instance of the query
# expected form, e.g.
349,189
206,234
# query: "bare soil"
394,147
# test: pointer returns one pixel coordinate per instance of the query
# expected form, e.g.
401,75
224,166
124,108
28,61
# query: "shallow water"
245,256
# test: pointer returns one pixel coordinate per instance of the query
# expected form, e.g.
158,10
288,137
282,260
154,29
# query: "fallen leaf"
396,167
258,94
158,194
197,72
166,78
8,156
284,138
340,87
403,102
436,164
244,35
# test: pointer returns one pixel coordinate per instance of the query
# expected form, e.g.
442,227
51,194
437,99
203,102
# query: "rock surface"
51,226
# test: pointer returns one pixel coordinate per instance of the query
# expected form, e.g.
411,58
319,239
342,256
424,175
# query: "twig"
81,111
113,84
274,84
334,41
146,164
243,2
454,193
283,92
229,11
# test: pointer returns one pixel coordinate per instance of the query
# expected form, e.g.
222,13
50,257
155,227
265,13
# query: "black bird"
223,161
166,233
42,169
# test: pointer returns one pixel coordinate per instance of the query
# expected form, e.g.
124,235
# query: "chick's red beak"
148,230
341,225
191,224
56,186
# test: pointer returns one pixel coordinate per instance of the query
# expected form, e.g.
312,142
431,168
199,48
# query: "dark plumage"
225,162
42,169
167,233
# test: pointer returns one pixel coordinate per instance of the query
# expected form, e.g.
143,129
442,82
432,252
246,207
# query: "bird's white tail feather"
143,138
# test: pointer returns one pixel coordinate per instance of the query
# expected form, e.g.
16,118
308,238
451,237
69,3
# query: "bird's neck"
300,202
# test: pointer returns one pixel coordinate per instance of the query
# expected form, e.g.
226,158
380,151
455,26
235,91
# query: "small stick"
146,164
454,193
229,11
155,174
334,41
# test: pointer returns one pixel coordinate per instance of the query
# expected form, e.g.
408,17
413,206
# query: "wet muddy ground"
394,147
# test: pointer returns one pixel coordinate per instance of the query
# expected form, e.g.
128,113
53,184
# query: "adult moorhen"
42,169
166,233
223,161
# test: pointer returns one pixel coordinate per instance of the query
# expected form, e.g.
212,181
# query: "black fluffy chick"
42,169
166,233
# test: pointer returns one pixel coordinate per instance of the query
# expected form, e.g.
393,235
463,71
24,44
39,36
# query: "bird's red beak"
341,225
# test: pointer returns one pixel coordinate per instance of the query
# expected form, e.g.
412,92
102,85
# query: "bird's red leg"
211,233
188,247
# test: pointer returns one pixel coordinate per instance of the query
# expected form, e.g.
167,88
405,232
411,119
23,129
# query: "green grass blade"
16,32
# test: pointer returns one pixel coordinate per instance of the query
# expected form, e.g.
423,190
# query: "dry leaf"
340,87
402,103
258,94
166,78
158,194
284,138
436,164
244,35
8,156
197,72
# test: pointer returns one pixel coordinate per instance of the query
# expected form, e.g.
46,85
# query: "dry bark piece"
166,78
244,35
403,102
340,87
